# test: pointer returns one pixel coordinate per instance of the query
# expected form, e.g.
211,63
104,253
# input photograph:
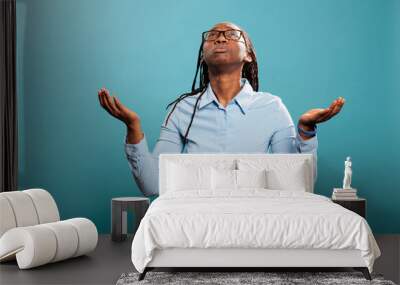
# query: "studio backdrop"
309,53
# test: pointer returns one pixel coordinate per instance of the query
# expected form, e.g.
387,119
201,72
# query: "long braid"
191,119
199,63
249,71
194,91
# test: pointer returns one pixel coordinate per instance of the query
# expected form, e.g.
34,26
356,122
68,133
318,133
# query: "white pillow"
293,178
251,178
281,174
230,179
181,177
223,179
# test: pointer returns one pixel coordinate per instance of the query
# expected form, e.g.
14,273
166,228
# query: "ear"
248,58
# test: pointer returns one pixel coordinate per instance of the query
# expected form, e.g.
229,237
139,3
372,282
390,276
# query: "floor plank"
111,259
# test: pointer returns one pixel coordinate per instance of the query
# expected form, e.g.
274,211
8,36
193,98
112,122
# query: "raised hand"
312,117
116,109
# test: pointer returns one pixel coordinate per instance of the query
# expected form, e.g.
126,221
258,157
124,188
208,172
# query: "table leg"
124,220
116,222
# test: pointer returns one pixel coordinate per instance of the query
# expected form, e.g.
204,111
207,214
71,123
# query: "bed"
247,210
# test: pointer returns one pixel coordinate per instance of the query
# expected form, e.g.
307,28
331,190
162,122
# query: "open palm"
315,116
116,109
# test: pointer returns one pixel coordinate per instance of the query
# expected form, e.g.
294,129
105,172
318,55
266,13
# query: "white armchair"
31,231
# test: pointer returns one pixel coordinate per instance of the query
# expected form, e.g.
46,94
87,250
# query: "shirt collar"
242,99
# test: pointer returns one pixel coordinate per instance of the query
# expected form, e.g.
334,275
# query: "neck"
225,85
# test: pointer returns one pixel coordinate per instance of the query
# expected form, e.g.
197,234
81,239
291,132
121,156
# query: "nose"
221,38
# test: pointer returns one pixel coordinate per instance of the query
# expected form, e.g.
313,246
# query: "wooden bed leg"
143,274
365,272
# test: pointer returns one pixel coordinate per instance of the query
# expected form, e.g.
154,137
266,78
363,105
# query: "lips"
220,49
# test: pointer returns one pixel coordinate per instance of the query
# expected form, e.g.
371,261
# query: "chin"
221,60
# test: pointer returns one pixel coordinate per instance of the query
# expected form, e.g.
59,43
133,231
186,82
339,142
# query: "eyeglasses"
212,35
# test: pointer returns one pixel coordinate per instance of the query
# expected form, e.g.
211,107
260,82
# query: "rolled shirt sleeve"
287,140
144,164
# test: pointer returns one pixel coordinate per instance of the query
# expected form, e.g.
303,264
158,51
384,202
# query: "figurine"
347,173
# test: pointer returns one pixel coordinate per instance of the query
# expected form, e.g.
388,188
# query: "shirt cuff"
307,145
136,148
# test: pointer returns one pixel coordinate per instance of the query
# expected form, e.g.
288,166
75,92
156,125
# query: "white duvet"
251,218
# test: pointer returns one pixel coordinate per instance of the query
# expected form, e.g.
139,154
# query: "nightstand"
119,208
358,205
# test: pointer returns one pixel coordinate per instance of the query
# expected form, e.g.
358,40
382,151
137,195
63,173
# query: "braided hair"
249,71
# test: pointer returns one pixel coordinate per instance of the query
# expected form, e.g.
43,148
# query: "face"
222,51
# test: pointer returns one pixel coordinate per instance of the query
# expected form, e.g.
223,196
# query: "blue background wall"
309,53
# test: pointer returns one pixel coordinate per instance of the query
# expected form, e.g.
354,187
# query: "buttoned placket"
221,125
229,114
224,124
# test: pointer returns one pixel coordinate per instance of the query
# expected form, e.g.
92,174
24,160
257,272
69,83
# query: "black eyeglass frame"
203,35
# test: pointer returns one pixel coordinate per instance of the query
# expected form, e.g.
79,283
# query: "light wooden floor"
111,259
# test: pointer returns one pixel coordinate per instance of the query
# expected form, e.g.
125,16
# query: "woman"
226,113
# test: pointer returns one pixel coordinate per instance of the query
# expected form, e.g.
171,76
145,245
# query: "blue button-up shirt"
252,122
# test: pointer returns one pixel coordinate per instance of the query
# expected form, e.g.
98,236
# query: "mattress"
250,218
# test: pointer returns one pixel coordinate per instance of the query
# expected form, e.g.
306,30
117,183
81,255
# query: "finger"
324,118
107,106
109,111
99,97
336,110
118,104
335,103
101,100
106,98
331,108
104,92
338,106
325,115
332,105
111,103
326,112
340,101
322,115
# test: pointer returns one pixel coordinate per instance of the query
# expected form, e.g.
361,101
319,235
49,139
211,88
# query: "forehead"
225,26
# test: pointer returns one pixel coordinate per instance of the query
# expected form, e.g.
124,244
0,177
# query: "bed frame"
250,258
240,259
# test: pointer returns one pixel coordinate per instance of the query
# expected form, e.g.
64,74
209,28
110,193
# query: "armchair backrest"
26,208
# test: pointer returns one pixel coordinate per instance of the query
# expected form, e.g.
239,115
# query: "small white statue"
347,173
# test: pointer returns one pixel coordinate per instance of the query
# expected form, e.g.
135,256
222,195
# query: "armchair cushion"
46,243
31,231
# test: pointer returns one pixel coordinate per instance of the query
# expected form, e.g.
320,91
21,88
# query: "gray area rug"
225,278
